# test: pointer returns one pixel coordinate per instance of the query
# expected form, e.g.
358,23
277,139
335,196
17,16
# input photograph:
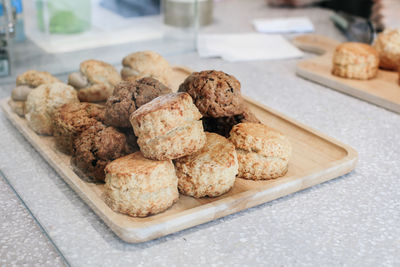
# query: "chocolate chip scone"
95,148
71,120
223,125
129,96
215,93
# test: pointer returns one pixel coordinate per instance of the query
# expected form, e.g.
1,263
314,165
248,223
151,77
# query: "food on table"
388,46
95,81
263,153
168,127
24,84
211,171
71,119
42,103
223,125
215,93
139,187
129,96
146,64
355,61
96,147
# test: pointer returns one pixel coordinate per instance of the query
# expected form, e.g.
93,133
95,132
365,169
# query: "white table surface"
350,221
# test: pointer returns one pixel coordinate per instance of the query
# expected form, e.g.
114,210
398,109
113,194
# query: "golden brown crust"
211,171
355,61
18,107
140,187
70,120
34,78
263,153
388,46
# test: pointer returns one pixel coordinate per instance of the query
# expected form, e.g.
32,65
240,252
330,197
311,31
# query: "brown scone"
223,125
388,46
71,120
96,147
131,138
129,96
215,93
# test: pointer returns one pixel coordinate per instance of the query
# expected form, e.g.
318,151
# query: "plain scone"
168,127
263,153
146,64
71,119
355,61
42,103
388,46
96,80
211,171
25,83
140,187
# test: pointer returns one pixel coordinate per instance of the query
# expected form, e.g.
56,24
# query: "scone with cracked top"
388,46
129,96
168,127
140,187
355,61
263,153
71,119
211,171
43,102
95,81
25,83
146,64
215,93
95,148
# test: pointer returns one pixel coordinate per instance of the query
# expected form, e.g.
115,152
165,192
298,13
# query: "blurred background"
56,35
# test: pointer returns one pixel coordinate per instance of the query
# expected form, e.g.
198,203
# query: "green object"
64,16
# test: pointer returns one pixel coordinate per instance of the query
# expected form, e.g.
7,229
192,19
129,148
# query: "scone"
146,64
70,120
215,93
211,171
140,187
95,148
42,103
25,83
96,80
355,61
223,125
168,127
388,46
129,96
262,152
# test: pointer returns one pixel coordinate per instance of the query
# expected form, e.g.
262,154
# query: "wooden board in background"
316,158
383,90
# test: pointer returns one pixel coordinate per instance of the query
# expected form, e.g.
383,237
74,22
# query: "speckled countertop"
350,221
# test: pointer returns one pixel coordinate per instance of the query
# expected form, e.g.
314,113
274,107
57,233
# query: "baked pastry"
355,61
263,153
211,171
388,46
71,119
24,84
43,101
139,187
129,96
96,80
223,125
215,93
95,148
146,64
168,127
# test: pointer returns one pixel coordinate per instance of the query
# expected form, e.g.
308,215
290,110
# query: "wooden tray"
383,90
316,158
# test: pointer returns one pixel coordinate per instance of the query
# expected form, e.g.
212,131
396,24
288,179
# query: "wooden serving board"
316,158
383,90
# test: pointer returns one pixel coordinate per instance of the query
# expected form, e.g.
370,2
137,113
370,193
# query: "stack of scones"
147,143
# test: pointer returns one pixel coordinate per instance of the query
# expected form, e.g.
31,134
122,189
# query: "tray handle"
315,43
